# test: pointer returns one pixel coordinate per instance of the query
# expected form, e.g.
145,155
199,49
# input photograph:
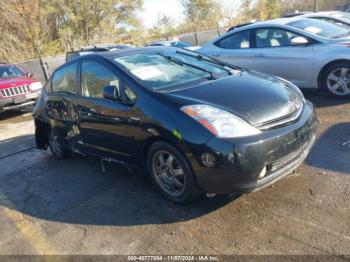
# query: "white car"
308,52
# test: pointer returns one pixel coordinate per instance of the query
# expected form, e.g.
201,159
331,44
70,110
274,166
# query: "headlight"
219,122
36,86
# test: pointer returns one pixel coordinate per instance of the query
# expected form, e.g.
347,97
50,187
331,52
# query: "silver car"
335,17
308,52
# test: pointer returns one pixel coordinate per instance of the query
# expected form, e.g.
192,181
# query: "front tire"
336,80
171,173
56,147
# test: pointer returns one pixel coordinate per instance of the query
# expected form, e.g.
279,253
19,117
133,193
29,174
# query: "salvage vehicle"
17,89
308,52
196,124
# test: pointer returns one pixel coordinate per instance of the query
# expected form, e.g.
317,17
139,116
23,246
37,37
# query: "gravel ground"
50,206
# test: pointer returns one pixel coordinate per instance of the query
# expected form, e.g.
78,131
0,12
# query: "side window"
64,79
239,40
274,37
94,77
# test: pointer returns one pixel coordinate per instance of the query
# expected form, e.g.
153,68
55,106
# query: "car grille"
280,122
14,91
291,158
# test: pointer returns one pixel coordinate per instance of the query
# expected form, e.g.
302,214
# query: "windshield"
160,71
320,28
9,71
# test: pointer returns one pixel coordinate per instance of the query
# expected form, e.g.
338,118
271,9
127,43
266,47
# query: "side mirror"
299,40
111,92
29,74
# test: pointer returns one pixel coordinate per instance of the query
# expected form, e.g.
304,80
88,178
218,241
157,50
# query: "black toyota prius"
197,125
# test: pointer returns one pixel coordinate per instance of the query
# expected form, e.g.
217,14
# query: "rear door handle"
260,55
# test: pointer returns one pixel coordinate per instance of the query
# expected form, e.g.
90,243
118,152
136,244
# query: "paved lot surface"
50,206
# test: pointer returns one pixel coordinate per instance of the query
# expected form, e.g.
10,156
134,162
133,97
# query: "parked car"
17,89
179,44
308,52
345,8
196,124
239,26
297,13
335,17
95,49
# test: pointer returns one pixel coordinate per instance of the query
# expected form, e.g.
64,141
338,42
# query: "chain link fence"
39,71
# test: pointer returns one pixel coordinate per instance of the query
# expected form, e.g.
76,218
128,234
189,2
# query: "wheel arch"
326,66
41,134
173,142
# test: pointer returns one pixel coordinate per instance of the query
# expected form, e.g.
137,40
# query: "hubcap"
169,173
338,81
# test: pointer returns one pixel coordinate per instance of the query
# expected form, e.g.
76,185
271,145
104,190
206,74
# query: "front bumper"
19,101
240,161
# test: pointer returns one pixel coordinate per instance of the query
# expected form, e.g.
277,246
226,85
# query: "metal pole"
315,5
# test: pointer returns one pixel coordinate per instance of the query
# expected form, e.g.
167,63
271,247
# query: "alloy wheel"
169,173
338,81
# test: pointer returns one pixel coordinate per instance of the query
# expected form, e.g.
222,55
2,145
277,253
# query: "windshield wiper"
212,60
180,62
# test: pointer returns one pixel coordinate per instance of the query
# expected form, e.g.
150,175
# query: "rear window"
240,40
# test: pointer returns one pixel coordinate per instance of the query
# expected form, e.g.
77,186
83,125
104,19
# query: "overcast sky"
173,8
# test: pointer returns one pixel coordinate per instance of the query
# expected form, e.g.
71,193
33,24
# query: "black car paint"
124,131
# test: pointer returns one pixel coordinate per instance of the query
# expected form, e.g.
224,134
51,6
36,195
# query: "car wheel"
171,173
336,80
57,148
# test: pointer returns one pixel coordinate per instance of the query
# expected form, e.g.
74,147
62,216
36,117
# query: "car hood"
16,81
253,96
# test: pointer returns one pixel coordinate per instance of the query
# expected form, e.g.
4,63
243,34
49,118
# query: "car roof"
325,13
123,52
163,42
277,21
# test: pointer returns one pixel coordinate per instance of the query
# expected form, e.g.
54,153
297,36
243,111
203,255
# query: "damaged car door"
104,122
60,104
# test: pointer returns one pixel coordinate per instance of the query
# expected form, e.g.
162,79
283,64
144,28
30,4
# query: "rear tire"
56,147
336,80
171,173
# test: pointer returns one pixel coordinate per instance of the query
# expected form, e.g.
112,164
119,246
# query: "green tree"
268,9
202,14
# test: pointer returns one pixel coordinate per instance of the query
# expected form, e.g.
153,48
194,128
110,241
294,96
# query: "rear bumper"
15,103
239,162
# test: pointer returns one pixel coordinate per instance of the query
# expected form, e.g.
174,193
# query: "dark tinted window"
64,79
94,77
239,40
273,37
